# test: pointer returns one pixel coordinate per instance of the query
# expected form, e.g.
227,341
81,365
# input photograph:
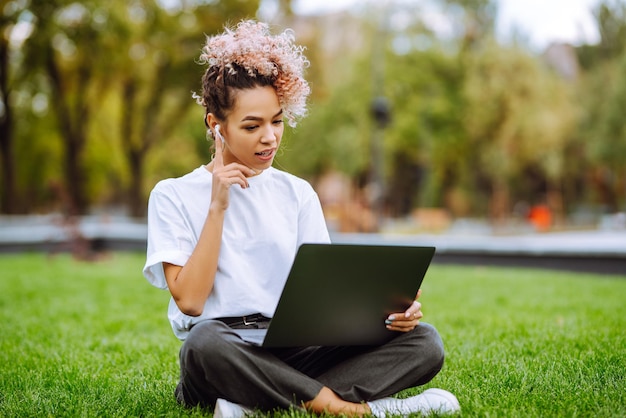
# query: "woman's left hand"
406,321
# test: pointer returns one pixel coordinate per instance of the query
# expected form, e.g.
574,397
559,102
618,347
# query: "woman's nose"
269,135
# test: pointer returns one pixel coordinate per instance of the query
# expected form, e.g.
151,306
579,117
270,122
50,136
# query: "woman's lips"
265,155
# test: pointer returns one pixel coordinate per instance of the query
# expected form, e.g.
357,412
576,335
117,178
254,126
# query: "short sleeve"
170,237
312,226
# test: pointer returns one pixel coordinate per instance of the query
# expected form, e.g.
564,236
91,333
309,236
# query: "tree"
65,45
603,133
475,20
426,142
139,54
9,18
517,116
156,82
610,18
601,90
155,76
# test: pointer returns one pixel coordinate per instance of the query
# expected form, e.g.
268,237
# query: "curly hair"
247,57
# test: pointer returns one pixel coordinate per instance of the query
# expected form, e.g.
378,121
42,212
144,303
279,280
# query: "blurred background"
424,115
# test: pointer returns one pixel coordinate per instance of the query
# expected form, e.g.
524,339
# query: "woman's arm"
191,284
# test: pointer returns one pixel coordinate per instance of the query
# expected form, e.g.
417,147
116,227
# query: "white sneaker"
225,409
430,401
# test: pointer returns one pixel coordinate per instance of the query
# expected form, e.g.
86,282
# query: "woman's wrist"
217,209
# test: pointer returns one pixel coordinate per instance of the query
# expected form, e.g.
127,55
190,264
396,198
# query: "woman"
222,238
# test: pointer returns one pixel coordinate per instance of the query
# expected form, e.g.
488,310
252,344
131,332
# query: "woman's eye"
250,128
278,122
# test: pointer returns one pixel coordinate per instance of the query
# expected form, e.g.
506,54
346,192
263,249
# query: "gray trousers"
216,363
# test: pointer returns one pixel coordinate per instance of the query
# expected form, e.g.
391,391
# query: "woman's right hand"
224,176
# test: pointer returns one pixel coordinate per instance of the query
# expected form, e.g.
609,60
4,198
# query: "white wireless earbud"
218,133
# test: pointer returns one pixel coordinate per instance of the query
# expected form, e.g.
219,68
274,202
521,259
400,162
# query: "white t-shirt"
263,227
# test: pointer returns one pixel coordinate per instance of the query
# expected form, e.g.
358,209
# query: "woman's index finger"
218,159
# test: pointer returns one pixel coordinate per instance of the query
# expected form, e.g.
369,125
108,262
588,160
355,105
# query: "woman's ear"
210,121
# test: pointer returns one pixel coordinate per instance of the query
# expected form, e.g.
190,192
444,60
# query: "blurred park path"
600,250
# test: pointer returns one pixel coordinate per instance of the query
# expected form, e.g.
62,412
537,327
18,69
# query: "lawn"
92,339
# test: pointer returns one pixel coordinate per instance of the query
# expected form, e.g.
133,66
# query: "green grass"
92,339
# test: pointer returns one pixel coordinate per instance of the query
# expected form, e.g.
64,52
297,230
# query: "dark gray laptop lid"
341,294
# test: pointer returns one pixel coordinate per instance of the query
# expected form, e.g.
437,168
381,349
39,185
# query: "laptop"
341,294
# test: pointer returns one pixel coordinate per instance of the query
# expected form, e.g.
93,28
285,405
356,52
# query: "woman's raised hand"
227,175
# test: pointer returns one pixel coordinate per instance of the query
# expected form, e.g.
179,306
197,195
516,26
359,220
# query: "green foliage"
611,20
519,117
427,125
100,94
612,148
601,90
92,339
602,132
335,135
117,77
467,125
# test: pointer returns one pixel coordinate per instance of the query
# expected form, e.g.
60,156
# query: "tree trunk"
74,179
8,200
136,202
555,201
499,202
73,121
143,125
9,203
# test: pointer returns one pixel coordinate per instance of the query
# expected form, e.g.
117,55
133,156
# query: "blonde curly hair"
247,57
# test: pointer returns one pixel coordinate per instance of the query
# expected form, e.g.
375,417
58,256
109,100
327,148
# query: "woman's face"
254,128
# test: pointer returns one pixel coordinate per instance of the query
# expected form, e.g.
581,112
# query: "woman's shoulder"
198,177
290,179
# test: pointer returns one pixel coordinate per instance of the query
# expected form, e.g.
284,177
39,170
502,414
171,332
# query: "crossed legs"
216,363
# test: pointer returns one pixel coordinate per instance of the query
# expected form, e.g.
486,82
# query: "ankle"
327,402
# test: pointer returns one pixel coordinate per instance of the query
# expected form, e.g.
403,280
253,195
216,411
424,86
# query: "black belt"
247,321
